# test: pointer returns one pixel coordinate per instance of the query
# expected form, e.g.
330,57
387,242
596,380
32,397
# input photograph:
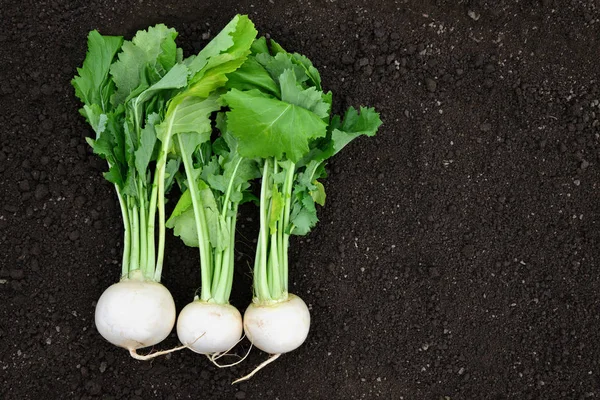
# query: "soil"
457,257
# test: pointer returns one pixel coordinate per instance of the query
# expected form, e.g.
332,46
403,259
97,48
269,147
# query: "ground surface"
458,256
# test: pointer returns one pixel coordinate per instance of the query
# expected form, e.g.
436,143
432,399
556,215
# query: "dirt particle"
24,186
468,251
431,84
17,274
584,165
11,208
41,191
74,235
347,59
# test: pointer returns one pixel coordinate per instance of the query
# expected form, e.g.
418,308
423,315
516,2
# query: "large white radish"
135,313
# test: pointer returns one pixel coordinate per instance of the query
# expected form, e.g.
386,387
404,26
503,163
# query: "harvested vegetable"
215,180
124,85
280,115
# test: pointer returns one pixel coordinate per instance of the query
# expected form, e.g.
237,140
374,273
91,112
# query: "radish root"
260,366
214,357
133,352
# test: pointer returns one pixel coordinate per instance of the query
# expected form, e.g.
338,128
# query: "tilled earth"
457,257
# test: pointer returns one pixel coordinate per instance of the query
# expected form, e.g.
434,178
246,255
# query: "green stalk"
150,231
231,254
274,271
256,292
261,281
222,259
199,217
143,229
126,235
284,270
223,291
161,165
217,271
275,274
285,237
134,259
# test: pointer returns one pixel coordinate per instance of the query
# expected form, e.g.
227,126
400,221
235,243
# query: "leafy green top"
278,109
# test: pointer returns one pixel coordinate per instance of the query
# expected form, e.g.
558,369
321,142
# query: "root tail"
260,366
133,353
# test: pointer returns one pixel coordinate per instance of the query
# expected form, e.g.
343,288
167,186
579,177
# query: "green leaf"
144,152
171,172
268,127
354,125
277,64
310,98
148,49
93,85
115,132
318,194
114,176
222,55
191,141
193,114
174,79
184,204
189,116
252,75
304,214
183,222
310,71
95,117
218,230
220,43
260,46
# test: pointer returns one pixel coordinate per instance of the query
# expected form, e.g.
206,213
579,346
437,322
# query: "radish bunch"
152,111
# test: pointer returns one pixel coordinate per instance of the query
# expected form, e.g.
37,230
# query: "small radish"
277,327
208,328
134,313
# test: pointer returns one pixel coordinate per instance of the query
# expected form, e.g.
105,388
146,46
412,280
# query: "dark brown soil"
458,256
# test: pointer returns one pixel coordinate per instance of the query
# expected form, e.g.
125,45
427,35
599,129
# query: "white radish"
209,328
277,327
134,313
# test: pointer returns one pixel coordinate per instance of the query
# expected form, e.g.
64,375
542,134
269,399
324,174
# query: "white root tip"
133,353
213,358
260,366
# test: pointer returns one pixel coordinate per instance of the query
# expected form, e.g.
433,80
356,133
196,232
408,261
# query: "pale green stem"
161,165
261,283
199,218
143,230
285,238
223,291
135,243
126,235
217,270
222,257
150,230
274,271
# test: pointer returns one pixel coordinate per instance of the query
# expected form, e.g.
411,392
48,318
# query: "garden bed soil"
457,256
